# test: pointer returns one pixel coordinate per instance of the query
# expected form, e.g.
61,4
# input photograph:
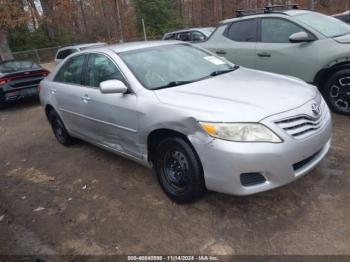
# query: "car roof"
191,29
80,46
282,13
125,47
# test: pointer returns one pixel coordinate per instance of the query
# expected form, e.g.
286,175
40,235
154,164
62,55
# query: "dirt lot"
82,200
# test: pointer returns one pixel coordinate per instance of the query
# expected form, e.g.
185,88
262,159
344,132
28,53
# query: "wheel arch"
48,109
322,75
157,135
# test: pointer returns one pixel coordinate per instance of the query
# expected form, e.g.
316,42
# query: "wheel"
337,92
179,170
60,130
2,105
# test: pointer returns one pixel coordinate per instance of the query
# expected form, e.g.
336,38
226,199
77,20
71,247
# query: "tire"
173,155
60,130
2,105
337,92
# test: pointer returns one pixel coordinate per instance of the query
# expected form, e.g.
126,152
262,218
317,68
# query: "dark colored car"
345,17
19,79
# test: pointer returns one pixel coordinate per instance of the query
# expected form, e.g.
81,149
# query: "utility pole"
144,29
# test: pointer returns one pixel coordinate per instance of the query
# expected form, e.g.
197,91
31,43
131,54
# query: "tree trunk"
5,52
48,12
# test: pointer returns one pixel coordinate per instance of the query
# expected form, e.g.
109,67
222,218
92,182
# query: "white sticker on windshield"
214,60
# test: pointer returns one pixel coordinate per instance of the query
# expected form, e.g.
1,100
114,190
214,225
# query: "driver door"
275,53
111,119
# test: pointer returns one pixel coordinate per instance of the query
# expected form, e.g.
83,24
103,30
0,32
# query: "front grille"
302,126
252,179
301,164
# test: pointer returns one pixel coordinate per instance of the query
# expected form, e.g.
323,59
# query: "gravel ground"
82,200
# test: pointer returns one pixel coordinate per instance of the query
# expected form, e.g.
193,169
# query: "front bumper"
224,161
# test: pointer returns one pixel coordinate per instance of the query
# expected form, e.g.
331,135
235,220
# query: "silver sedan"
198,120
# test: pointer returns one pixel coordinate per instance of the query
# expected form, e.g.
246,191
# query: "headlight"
240,132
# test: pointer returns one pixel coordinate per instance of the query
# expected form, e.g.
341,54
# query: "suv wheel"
337,92
60,130
178,170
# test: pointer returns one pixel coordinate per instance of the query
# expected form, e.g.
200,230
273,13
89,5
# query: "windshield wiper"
172,84
220,72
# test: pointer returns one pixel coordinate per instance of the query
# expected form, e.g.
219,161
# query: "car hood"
243,95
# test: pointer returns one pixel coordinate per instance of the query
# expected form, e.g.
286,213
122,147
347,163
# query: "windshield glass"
171,65
17,66
326,25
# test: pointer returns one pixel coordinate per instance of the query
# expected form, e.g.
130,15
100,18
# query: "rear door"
67,91
236,42
111,119
275,53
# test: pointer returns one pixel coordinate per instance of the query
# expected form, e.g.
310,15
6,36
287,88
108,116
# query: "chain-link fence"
40,56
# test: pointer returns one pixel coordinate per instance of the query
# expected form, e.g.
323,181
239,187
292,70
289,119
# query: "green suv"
300,43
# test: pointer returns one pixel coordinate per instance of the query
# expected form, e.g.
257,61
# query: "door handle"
221,52
264,54
53,90
86,98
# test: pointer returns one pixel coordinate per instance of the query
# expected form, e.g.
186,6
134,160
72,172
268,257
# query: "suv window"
101,68
186,36
169,37
71,71
64,53
243,31
275,30
197,36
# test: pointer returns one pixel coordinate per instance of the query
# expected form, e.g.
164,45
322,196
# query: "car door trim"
100,121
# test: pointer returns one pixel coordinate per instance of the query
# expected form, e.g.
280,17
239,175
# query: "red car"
19,79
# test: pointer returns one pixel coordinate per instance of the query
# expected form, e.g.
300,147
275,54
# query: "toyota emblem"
316,109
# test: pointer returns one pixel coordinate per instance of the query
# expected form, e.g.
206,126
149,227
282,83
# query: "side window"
275,30
197,36
101,68
243,31
71,71
186,36
169,37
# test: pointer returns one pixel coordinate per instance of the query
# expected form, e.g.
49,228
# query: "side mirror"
301,37
113,86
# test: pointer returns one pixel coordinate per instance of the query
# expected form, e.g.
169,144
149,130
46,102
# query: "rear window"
17,66
243,31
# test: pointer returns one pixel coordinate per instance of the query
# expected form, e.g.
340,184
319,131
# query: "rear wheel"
178,170
337,92
60,130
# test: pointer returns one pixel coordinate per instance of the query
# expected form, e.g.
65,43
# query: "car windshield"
326,25
172,65
17,66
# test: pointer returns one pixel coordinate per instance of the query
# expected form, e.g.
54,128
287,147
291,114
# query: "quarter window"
71,71
243,31
64,53
100,69
275,30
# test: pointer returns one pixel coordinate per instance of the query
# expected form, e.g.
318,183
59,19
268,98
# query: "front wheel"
179,170
337,92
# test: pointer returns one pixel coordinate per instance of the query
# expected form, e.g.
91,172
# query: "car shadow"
24,103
